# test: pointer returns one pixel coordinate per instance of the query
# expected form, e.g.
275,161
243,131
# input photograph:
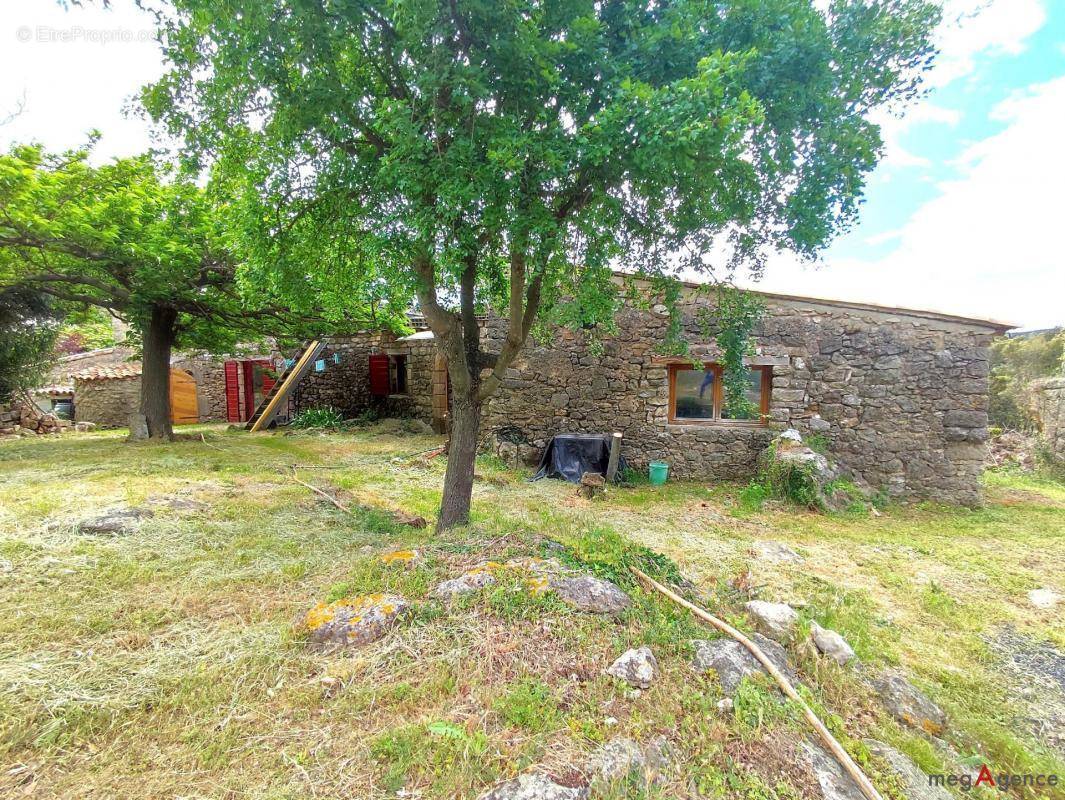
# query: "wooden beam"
289,382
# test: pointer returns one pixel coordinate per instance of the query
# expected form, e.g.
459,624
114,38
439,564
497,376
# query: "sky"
964,214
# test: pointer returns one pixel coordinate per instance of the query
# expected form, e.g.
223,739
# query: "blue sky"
962,215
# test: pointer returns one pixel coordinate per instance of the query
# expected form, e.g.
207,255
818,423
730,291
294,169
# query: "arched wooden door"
184,409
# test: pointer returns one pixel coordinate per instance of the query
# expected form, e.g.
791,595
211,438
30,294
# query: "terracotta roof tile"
110,372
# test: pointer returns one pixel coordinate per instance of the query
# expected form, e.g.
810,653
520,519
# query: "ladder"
286,382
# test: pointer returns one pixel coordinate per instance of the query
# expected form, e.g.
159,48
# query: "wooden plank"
286,386
184,408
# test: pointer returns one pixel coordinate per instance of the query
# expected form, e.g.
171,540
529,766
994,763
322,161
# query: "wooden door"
184,408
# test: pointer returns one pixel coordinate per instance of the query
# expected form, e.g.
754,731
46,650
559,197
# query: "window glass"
694,394
752,407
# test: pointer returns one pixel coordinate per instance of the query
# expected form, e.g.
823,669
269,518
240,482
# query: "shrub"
317,418
793,481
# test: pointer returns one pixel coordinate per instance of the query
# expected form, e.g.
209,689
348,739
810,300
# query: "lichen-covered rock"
831,644
909,705
624,760
476,579
914,782
776,620
115,522
353,621
733,662
401,558
636,666
534,786
594,595
1043,598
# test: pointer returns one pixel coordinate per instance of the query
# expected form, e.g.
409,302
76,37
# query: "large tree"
509,152
143,244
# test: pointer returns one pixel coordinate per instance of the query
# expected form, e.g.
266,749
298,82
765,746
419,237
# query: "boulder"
733,662
831,644
594,595
776,620
472,581
909,705
534,786
353,621
914,782
84,427
115,522
624,760
402,558
138,427
637,667
591,484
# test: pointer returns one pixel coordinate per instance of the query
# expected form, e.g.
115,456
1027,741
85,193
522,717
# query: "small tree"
129,238
475,152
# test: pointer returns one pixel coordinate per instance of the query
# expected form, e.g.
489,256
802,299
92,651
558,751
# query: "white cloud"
989,244
972,28
893,128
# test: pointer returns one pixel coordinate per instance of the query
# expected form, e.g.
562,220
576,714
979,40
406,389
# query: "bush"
790,480
317,418
1015,363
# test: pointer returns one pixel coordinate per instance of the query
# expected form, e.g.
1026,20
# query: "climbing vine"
731,323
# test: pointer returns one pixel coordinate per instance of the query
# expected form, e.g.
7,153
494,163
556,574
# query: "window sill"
716,423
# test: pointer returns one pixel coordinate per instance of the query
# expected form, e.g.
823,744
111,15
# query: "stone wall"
1050,405
108,402
346,386
900,398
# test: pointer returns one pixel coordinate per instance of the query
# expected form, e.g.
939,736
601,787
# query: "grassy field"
164,663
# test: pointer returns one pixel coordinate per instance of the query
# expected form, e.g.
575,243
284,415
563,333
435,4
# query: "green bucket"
658,471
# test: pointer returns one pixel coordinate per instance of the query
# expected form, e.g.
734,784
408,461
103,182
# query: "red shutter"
379,375
232,392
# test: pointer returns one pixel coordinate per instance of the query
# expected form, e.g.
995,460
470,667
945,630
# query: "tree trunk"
461,455
155,372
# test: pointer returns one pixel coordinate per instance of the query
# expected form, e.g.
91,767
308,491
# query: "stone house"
898,397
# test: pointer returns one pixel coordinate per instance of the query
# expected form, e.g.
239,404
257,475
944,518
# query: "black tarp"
570,455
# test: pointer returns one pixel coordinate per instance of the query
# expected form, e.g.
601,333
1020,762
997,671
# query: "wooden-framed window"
697,396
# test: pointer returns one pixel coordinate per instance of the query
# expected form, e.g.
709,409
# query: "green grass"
165,662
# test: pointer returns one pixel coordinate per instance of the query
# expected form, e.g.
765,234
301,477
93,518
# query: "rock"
777,552
914,782
477,578
776,620
733,662
637,667
591,484
84,427
138,427
116,522
534,786
834,782
725,705
185,504
594,595
353,621
402,558
622,760
1043,598
909,705
831,644
790,437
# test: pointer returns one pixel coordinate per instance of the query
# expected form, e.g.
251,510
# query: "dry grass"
163,663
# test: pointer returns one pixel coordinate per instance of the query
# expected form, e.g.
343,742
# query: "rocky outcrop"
594,595
534,786
732,662
626,761
914,782
908,705
353,621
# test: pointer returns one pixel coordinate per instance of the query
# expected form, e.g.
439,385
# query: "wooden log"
615,458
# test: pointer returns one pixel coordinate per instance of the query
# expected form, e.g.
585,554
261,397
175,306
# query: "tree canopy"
29,324
512,153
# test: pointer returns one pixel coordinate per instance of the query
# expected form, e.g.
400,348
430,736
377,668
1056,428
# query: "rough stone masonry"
899,397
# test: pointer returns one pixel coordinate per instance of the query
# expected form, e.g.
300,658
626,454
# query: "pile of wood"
27,420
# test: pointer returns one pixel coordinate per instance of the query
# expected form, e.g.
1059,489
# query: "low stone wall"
900,399
108,402
1050,405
